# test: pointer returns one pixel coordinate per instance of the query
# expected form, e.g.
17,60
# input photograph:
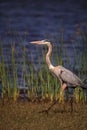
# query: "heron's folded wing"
70,77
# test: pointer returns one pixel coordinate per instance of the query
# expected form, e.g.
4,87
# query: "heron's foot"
49,108
44,111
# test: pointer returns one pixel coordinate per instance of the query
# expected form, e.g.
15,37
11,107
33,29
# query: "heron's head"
42,42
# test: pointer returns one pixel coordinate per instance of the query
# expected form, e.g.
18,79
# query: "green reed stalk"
14,70
28,74
31,91
2,73
8,79
29,79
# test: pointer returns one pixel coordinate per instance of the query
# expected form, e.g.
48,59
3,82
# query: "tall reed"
14,71
2,73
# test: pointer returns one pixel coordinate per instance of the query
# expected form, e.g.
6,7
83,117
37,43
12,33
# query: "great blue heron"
66,77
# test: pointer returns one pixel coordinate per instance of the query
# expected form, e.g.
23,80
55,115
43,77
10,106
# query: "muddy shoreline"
24,115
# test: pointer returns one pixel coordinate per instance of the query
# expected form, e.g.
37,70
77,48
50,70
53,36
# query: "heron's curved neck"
48,56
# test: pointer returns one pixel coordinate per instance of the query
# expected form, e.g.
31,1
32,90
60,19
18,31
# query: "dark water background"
41,18
24,21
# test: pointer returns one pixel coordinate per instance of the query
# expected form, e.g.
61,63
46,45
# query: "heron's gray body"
66,76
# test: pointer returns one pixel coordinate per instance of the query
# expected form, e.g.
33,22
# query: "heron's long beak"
36,42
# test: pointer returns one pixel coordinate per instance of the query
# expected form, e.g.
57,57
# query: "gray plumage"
66,76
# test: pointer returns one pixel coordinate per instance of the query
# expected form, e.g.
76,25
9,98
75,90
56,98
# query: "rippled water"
41,18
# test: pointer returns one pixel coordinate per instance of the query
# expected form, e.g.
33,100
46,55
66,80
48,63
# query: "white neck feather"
51,67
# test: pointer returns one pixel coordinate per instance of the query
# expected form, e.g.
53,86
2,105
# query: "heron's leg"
64,87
